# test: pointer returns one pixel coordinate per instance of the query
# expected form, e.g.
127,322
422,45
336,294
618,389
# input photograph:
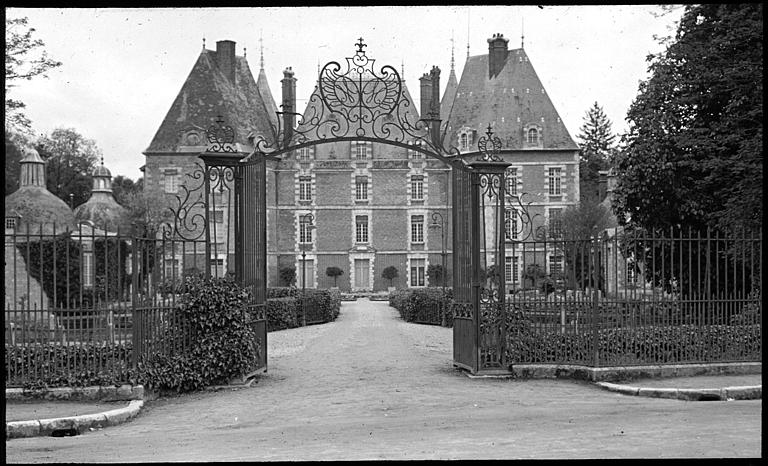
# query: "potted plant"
334,272
390,273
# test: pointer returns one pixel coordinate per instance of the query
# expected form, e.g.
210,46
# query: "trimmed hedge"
285,311
410,302
51,365
641,345
282,313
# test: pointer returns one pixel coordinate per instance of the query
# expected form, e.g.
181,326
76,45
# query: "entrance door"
361,274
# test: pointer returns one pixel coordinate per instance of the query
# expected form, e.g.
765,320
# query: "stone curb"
690,394
95,393
80,424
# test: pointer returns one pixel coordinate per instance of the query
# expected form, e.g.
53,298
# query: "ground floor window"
418,269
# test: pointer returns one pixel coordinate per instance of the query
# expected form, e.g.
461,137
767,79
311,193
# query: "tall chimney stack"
426,96
225,58
289,104
497,54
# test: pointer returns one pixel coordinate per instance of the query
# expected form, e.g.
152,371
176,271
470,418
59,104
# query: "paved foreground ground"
370,386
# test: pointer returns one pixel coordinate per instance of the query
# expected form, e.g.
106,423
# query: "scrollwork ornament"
489,146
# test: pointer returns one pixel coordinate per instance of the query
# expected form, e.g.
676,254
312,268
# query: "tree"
24,60
693,153
436,274
147,209
389,273
123,188
597,147
288,275
335,273
580,224
70,160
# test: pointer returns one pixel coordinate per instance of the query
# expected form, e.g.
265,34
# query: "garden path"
371,386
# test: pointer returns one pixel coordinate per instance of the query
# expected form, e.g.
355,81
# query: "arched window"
464,142
533,136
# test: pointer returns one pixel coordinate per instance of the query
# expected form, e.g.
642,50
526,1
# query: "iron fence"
93,303
636,298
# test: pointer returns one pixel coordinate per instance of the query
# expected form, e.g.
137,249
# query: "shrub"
334,272
214,320
288,276
435,272
53,365
410,302
282,313
389,273
282,292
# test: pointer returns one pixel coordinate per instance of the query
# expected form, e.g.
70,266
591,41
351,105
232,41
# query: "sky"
122,68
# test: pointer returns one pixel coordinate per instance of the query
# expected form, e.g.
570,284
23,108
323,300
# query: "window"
417,188
533,136
631,273
172,181
510,269
555,223
171,267
304,154
512,182
362,149
305,231
417,229
217,266
88,269
361,188
464,142
414,154
10,223
510,224
305,188
555,265
361,229
554,181
216,216
418,267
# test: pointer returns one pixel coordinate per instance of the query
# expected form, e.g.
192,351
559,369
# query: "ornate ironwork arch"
357,102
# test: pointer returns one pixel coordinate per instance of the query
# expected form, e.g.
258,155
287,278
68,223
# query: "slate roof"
33,204
247,106
480,101
446,103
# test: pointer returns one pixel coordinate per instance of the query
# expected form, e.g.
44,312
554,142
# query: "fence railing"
93,301
636,299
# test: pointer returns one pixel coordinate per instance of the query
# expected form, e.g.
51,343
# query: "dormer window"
466,137
304,154
414,154
533,136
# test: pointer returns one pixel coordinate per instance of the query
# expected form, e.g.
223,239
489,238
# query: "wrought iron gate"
251,247
464,293
361,103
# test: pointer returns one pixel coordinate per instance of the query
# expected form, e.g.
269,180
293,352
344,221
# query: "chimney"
426,96
289,104
225,58
497,54
435,104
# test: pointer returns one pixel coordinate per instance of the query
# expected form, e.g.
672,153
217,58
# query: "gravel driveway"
370,386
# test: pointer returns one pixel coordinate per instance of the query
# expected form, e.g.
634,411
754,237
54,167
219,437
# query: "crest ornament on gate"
221,137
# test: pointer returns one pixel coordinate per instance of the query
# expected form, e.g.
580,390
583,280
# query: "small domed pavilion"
101,209
32,208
